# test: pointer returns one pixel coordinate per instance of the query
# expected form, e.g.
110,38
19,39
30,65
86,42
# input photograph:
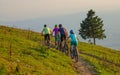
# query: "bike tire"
76,55
66,49
72,53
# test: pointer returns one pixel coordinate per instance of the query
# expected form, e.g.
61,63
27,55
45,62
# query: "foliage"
91,27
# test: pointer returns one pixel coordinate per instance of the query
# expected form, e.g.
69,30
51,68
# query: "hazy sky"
15,10
35,13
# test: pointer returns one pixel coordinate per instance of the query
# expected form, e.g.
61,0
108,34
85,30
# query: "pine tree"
92,27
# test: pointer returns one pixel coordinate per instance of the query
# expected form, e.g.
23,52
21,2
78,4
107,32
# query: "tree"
92,27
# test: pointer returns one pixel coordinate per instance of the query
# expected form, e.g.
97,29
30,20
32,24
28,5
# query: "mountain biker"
46,32
74,40
56,34
63,33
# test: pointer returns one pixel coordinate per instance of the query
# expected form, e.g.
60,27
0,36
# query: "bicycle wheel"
72,52
66,49
75,55
48,43
59,45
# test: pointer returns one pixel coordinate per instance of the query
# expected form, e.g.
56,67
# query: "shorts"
74,43
47,36
57,37
63,37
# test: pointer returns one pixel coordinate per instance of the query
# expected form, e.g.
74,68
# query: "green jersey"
46,30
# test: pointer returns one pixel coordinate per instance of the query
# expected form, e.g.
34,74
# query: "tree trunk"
94,41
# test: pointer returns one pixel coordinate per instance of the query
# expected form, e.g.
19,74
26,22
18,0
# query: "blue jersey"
73,38
61,30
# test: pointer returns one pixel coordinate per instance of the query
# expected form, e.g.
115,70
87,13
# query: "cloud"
12,10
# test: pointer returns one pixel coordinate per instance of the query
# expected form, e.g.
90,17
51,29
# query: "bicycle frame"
47,42
65,48
73,53
59,44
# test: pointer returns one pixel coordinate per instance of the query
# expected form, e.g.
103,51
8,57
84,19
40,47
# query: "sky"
19,10
34,14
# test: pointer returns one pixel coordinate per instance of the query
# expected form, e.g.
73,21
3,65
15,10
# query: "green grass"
105,61
29,56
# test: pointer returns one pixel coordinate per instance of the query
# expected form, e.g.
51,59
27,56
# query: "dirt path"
104,60
83,68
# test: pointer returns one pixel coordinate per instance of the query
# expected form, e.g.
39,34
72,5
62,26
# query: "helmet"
60,25
45,25
71,31
55,25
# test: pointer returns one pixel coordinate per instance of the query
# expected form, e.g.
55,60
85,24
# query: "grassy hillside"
22,53
105,61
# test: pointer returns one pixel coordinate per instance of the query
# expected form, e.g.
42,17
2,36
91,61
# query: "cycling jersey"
57,35
62,33
73,39
56,30
61,30
46,30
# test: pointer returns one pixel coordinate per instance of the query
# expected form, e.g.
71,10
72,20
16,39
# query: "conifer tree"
92,27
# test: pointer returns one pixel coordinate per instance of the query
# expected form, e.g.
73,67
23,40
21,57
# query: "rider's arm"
51,32
68,37
42,31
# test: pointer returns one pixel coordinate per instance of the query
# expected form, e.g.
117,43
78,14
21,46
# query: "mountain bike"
65,48
59,46
74,53
47,42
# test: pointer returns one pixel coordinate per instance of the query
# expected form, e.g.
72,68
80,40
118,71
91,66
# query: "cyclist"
63,33
56,34
46,31
74,40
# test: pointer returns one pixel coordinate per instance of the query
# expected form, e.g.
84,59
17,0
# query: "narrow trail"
101,59
83,68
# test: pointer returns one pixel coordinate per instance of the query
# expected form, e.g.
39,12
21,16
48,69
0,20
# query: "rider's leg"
57,38
71,49
62,38
56,41
49,39
76,49
76,44
45,38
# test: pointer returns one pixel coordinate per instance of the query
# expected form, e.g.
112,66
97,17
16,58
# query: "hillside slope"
105,61
22,53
